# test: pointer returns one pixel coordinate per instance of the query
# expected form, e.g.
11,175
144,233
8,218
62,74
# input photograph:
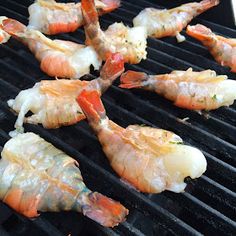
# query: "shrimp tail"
207,4
113,67
89,11
91,104
110,6
199,32
104,210
94,35
132,79
1,38
13,27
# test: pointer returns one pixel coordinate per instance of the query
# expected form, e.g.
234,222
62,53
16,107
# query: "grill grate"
209,204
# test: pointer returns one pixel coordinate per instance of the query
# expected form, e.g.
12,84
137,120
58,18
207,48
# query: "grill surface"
209,204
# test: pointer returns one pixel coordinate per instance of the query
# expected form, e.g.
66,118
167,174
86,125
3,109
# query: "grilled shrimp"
36,176
222,49
53,102
162,23
130,42
151,159
4,36
187,89
50,17
58,58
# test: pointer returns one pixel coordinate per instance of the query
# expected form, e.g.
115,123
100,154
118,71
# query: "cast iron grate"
209,204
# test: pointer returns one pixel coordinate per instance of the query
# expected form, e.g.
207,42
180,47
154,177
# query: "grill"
209,204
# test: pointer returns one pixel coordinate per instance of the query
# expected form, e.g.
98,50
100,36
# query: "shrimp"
59,58
36,176
163,23
130,42
187,89
53,102
150,159
4,36
50,17
222,49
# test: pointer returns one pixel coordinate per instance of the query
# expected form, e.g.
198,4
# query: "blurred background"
223,14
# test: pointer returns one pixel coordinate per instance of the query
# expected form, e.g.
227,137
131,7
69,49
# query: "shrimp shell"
51,109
